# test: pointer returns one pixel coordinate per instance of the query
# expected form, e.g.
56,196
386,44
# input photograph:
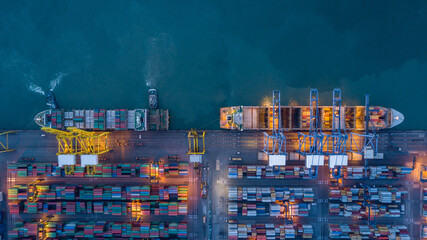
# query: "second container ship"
105,119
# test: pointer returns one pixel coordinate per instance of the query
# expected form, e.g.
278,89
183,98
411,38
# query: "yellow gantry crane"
4,147
67,141
69,169
91,142
90,170
193,142
43,224
32,189
78,141
136,214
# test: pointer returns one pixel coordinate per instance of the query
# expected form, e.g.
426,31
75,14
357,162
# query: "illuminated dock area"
146,178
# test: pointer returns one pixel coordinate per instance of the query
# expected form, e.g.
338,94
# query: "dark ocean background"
203,55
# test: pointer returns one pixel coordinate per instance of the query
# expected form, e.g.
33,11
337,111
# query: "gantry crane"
42,225
67,141
338,138
135,210
91,142
69,169
287,214
4,147
32,189
90,170
78,141
367,203
370,140
193,143
275,144
311,144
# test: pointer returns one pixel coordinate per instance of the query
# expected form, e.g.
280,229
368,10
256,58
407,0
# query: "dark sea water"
203,55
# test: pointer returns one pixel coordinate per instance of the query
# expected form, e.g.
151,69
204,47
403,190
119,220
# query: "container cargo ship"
105,119
297,118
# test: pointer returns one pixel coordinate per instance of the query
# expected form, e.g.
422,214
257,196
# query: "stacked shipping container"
377,172
276,172
102,229
345,231
102,170
269,231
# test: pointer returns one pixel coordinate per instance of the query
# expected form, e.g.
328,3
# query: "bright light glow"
267,101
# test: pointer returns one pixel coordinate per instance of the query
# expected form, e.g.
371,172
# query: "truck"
204,190
423,174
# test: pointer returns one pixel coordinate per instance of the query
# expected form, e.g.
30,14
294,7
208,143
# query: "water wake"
35,88
160,59
149,75
55,82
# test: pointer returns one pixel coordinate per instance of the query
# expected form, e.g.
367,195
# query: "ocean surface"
203,55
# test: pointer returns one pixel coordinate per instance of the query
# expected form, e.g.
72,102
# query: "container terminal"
70,180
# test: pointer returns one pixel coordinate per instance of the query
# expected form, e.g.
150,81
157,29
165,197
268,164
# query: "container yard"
145,187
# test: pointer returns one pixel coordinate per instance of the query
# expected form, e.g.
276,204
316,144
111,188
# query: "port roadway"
207,218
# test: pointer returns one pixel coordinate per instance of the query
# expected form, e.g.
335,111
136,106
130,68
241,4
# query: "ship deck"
296,118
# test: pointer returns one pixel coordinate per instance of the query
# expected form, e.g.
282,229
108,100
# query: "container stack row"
356,194
103,170
358,211
345,231
267,172
19,192
102,229
305,118
250,209
56,116
269,231
270,194
99,119
87,192
263,209
120,119
376,172
327,118
108,208
424,233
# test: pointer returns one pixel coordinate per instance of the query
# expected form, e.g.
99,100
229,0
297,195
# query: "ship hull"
105,119
297,118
